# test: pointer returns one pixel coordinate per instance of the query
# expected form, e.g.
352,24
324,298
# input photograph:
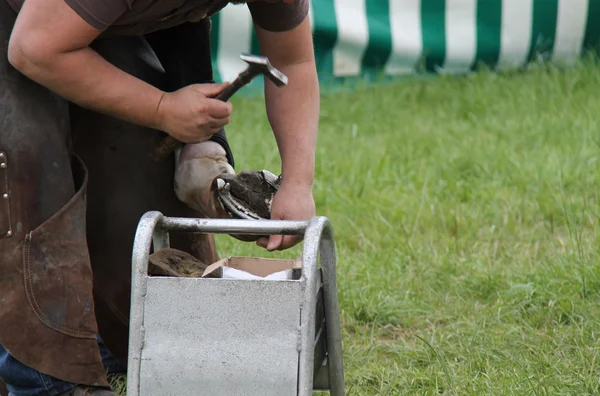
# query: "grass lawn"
466,218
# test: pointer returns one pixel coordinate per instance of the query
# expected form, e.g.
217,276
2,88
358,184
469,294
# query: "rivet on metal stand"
6,230
235,336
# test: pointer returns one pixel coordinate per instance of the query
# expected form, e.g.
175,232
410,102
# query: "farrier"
87,90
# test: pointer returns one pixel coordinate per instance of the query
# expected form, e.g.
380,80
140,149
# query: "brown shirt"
137,17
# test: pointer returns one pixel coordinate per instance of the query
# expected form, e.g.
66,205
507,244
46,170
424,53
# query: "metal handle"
235,226
242,79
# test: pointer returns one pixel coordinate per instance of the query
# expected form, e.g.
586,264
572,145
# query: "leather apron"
73,186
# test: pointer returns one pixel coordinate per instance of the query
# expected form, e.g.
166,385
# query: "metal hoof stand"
203,336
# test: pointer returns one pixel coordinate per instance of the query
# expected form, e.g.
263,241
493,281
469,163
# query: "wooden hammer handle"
166,146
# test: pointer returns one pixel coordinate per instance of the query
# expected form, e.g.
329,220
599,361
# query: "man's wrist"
298,165
295,180
158,121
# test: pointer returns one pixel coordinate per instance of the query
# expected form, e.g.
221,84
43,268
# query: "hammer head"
261,64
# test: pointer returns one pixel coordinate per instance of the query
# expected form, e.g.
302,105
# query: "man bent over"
87,90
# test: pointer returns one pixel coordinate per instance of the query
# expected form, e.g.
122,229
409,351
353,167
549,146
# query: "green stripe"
214,45
543,29
489,30
254,46
258,81
380,36
591,39
325,36
433,24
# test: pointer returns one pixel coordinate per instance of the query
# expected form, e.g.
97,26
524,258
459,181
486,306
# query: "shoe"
83,390
247,195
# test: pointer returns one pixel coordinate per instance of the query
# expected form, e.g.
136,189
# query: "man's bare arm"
50,45
293,111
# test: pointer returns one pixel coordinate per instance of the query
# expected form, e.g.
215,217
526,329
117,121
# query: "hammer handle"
242,79
170,144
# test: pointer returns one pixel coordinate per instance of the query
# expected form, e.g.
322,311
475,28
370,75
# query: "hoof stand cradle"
222,336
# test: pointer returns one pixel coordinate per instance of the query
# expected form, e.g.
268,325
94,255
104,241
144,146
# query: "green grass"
466,215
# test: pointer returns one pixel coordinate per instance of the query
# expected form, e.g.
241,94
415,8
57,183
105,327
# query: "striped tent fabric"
357,38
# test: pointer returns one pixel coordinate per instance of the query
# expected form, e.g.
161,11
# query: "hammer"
256,65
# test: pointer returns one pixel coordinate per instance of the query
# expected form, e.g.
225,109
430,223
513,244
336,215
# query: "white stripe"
235,35
515,34
353,36
461,35
407,40
570,29
311,16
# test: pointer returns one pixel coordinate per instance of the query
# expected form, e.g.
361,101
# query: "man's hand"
291,202
190,115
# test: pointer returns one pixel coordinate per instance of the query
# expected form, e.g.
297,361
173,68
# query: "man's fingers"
218,109
210,90
278,242
288,241
263,242
274,242
218,123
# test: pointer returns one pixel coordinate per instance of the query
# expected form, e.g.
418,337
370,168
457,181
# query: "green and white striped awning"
356,38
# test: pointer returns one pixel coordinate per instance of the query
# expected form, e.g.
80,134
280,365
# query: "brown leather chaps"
73,186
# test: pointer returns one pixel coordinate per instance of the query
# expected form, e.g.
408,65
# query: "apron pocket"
57,269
